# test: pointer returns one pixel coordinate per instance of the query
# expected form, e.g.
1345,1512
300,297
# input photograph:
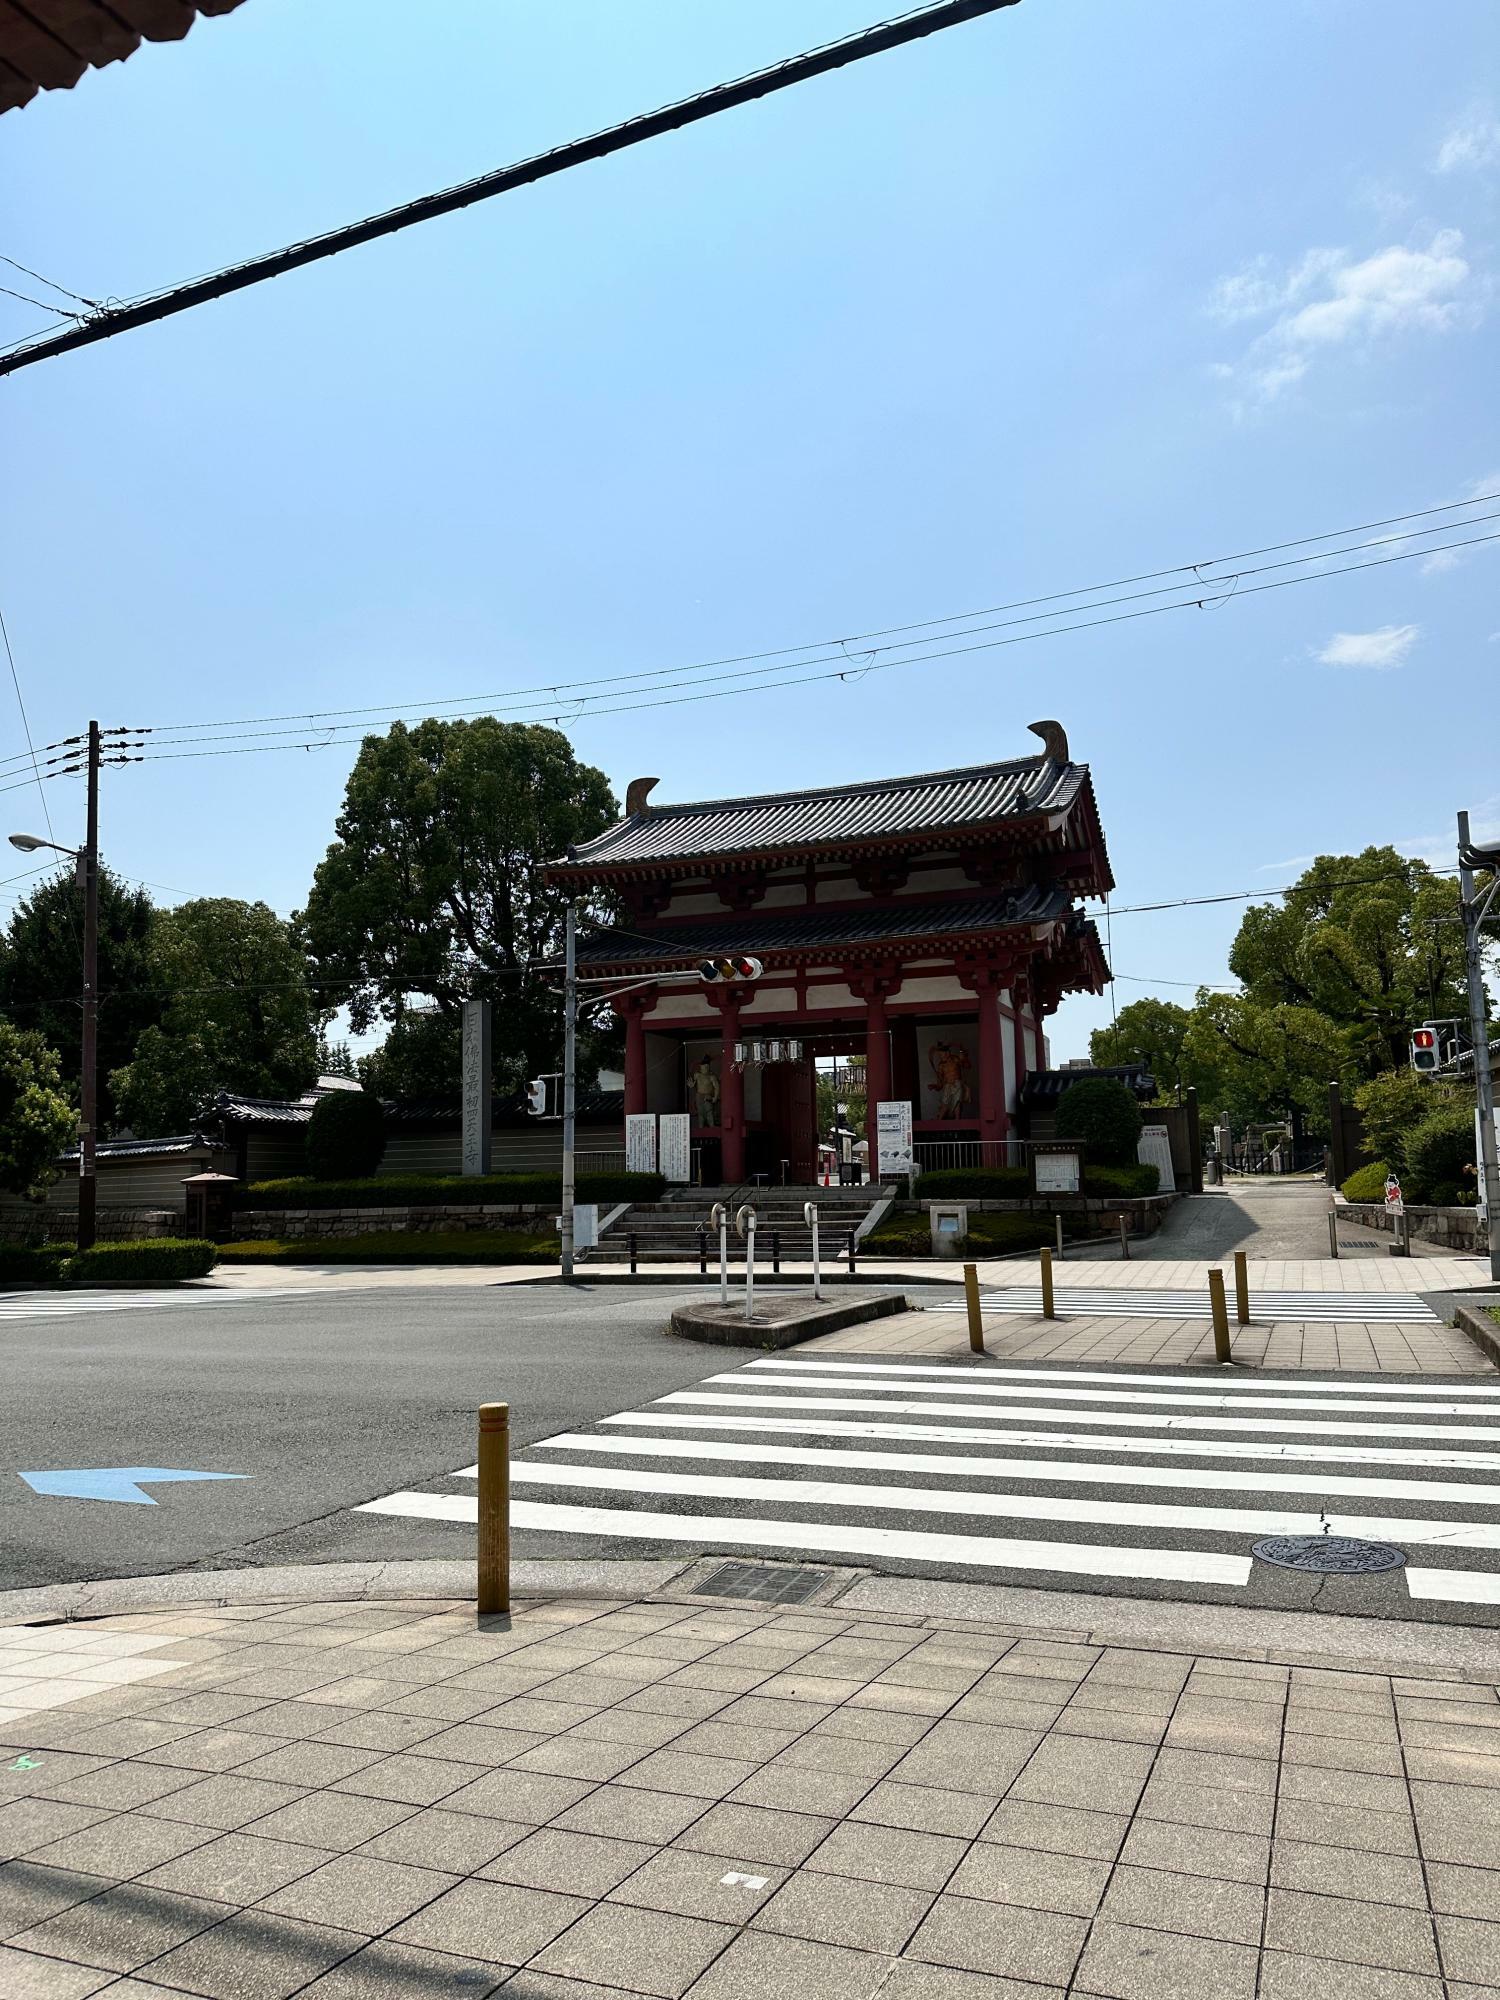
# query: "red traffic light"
1423,1038
728,971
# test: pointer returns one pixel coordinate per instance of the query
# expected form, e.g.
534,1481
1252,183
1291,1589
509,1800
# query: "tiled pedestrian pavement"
722,1800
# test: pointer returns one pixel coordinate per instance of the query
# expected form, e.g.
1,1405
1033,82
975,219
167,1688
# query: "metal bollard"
1058,1220
702,1253
1333,1233
971,1300
775,1253
494,1508
744,1222
1241,1290
1125,1237
851,1253
810,1217
1221,1315
718,1218
1049,1310
632,1253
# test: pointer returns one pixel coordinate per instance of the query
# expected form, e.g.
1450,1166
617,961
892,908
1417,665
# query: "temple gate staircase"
667,1231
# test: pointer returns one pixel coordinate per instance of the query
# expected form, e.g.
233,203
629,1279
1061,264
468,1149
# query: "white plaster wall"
782,896
932,986
820,997
770,1000
932,881
687,1006
693,903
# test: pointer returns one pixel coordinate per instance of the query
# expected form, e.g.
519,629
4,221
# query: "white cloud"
1442,560
1470,146
1439,849
1328,298
1386,647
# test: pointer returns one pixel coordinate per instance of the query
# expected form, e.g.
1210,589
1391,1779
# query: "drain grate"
764,1583
1329,1555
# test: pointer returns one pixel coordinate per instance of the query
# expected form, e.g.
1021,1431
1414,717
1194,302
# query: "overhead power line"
103,324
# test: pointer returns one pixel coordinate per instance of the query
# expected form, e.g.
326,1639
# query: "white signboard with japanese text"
640,1142
475,1082
1057,1173
1154,1149
676,1146
893,1137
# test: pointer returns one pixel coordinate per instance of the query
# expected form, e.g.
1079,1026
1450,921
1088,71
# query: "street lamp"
86,861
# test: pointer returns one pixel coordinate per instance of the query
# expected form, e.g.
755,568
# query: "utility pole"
570,1071
88,1185
1484,1090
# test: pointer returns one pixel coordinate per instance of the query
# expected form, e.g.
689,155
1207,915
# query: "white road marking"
1145,1421
1229,1382
53,1306
1331,1454
1454,1586
1167,1399
986,1552
1006,1506
1445,1492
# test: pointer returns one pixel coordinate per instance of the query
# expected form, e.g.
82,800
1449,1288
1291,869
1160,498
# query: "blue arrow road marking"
117,1482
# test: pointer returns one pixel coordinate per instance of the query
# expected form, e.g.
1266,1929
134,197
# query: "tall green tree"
1370,941
432,892
1154,1032
240,1015
1269,1062
41,975
36,1119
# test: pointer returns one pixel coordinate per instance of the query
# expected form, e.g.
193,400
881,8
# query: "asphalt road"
1137,1481
322,1402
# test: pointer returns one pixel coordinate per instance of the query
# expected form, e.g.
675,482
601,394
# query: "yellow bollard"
971,1300
1241,1290
1221,1315
1048,1311
494,1508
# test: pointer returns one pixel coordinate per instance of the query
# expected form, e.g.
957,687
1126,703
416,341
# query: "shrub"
1439,1155
22,1264
1366,1183
1132,1182
992,1235
404,1246
1394,1104
979,1183
145,1261
1101,1113
345,1135
468,1190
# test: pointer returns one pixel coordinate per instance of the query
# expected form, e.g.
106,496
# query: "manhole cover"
767,1585
1328,1555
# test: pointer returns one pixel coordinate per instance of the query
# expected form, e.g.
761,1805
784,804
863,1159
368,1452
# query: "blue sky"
1065,294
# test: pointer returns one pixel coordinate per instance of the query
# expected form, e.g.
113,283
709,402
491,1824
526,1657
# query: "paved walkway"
1376,1347
728,1801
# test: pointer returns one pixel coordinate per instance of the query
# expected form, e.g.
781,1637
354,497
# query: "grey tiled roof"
1046,1086
974,796
801,930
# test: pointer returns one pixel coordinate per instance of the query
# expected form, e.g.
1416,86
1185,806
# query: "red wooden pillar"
632,1008
875,988
731,1092
1019,993
984,981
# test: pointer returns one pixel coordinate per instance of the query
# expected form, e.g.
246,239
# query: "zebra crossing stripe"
1141,1421
1228,1384
819,1538
1454,1586
963,1465
1330,1454
1211,1399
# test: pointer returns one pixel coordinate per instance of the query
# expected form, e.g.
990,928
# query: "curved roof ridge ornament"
637,792
1054,739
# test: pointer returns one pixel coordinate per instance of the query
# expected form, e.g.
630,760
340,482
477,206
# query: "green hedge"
989,1235
403,1246
1013,1183
468,1190
22,1264
1366,1183
146,1260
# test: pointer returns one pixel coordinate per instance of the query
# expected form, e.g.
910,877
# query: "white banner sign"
676,1146
640,1142
893,1137
1154,1149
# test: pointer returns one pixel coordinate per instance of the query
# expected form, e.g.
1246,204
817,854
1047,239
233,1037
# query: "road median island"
782,1321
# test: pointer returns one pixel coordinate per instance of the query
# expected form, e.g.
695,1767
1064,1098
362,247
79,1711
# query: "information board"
640,1142
676,1146
1154,1149
893,1137
1057,1173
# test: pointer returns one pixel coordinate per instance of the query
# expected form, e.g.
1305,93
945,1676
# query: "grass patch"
403,1246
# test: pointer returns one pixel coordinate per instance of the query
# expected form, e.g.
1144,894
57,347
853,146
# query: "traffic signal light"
1425,1053
729,971
536,1097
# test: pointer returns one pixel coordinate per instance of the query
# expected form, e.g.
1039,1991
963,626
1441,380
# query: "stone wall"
1101,1212
36,1225
1451,1228
302,1225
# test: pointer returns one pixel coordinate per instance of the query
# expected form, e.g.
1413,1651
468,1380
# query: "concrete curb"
718,1326
1481,1329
